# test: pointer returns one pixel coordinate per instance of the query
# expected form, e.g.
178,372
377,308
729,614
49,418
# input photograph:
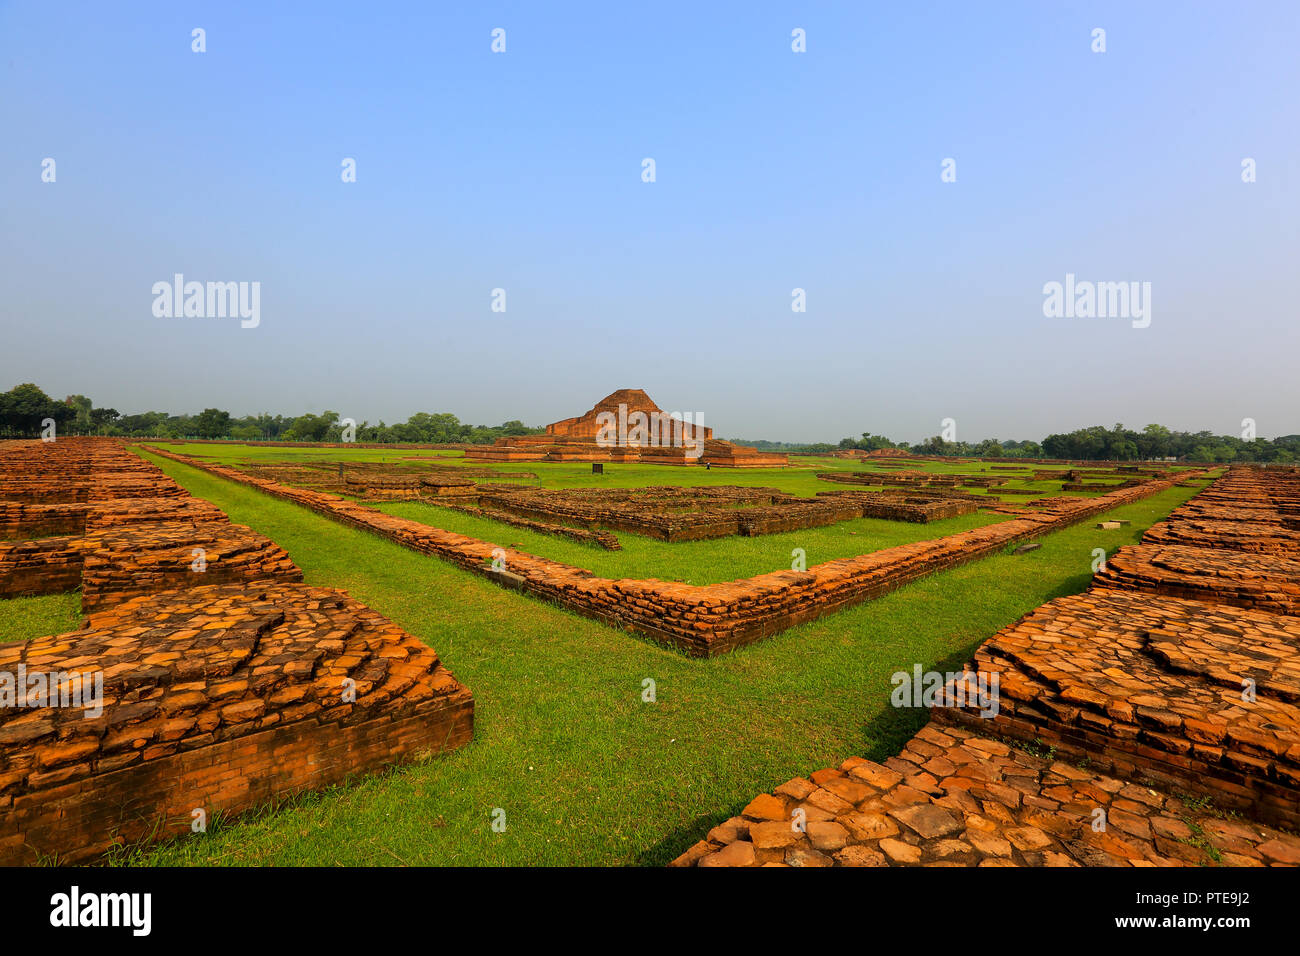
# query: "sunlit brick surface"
223,688
1266,581
955,798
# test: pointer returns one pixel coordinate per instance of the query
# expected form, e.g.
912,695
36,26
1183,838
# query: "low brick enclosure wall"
672,513
699,620
413,486
176,699
1163,718
600,539
336,475
914,508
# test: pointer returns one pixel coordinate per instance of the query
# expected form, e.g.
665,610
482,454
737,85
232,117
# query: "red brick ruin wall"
220,691
678,514
709,620
1141,698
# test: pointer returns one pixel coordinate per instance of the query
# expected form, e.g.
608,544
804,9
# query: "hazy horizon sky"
775,170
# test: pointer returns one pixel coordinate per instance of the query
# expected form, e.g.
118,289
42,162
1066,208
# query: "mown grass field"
586,772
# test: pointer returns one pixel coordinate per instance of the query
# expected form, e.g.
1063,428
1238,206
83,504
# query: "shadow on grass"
882,737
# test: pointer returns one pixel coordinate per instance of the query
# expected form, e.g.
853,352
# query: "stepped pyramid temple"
627,426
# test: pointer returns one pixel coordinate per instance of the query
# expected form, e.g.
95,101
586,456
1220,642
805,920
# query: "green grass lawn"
23,618
585,771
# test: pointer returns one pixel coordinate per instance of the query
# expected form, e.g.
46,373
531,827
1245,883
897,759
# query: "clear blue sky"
775,170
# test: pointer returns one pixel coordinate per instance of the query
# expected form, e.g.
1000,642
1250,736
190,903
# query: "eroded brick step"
1266,581
1255,535
1091,673
1192,707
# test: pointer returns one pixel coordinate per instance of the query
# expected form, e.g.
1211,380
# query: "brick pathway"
953,798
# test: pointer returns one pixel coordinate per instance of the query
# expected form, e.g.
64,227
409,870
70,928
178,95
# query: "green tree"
81,405
212,423
101,418
24,408
311,427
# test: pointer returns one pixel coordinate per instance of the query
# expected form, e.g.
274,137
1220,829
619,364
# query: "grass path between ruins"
586,772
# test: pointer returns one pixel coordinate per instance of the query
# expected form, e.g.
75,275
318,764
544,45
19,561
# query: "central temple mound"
626,425
627,401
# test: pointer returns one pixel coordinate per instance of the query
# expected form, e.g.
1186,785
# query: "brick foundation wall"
79,821
24,521
46,566
138,534
914,508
